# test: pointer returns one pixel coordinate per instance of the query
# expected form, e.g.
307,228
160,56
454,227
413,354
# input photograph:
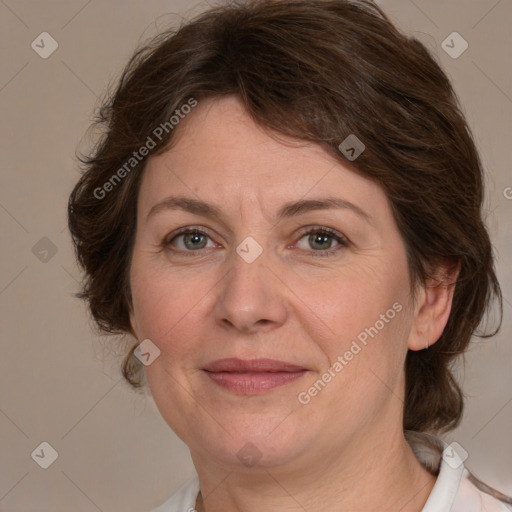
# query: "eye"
189,240
321,240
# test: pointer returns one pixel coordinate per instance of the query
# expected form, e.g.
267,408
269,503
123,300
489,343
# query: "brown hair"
317,71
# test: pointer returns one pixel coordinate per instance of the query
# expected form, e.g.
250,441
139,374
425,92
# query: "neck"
379,473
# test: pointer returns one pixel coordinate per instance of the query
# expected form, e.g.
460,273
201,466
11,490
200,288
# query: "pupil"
193,238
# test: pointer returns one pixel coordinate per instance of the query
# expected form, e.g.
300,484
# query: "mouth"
252,376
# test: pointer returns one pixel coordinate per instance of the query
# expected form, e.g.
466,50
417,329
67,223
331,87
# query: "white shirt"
453,491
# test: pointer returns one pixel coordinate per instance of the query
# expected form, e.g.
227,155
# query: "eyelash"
342,241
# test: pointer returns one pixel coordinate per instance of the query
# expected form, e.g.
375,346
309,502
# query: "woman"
285,211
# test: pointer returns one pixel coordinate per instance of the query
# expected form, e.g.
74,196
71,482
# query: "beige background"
60,381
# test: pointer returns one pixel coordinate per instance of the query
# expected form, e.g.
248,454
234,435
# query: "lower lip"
253,383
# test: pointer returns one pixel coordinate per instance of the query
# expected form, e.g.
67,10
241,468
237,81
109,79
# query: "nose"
251,297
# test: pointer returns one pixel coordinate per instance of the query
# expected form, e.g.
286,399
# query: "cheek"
350,300
167,305
362,323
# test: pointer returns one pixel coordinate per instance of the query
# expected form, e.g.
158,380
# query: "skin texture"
292,303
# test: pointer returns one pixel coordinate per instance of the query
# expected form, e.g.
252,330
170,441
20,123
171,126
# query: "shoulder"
470,498
183,500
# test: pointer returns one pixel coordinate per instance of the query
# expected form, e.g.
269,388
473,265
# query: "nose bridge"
250,295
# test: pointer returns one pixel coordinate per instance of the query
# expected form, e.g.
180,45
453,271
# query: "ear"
433,305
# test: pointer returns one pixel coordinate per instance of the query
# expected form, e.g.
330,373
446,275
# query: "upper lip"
236,365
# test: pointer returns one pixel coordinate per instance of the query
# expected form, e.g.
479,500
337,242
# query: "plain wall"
60,381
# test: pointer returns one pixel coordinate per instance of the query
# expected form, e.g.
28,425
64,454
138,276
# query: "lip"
234,364
252,376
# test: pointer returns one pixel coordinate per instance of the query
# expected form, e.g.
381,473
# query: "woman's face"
264,280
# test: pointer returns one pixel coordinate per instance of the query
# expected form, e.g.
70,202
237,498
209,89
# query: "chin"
251,442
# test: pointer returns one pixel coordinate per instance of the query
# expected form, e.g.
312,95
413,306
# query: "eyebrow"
288,210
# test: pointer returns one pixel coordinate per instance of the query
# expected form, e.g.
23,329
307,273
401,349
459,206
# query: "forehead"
220,134
220,153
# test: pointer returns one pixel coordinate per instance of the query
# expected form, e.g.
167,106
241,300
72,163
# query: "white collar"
442,460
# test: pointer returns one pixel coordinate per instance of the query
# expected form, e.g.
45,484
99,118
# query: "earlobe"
433,307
